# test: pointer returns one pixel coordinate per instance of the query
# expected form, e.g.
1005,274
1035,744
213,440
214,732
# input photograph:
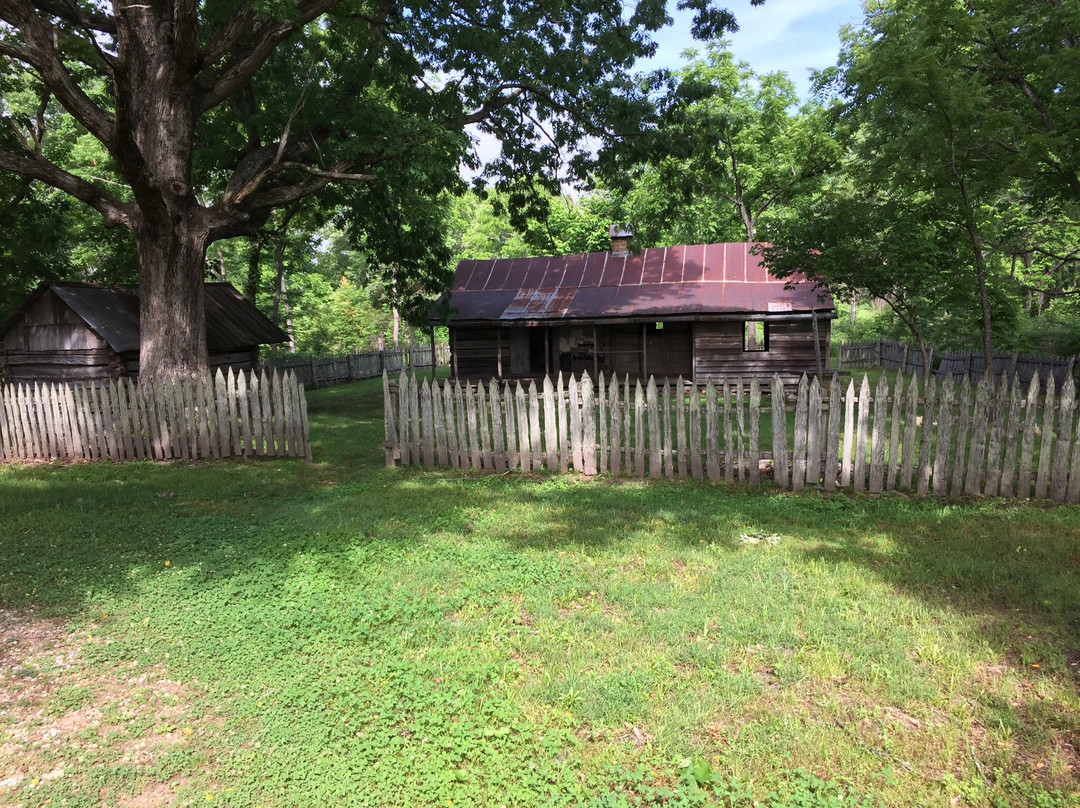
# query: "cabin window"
755,336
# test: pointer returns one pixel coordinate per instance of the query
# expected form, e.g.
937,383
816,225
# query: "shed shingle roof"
232,321
695,280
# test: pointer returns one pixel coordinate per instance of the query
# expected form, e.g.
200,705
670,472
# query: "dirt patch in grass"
60,717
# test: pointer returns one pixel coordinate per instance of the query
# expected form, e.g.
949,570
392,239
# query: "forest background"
930,181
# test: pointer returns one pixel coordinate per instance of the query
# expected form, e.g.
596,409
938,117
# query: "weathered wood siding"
720,355
475,351
52,343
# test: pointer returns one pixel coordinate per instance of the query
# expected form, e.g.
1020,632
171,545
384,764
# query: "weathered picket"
927,435
187,419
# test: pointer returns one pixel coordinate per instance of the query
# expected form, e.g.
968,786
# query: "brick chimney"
620,239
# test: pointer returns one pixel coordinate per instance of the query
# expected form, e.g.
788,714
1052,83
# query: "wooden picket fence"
926,436
189,419
326,371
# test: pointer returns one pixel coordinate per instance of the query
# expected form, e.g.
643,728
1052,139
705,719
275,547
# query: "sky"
794,36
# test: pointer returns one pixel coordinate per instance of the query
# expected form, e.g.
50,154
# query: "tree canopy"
210,116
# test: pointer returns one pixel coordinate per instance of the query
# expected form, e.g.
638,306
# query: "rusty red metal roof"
692,281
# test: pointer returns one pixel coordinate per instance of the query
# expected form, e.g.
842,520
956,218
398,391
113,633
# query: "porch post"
547,350
644,355
498,350
595,358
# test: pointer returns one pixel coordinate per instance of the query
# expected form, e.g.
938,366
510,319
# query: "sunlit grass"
341,633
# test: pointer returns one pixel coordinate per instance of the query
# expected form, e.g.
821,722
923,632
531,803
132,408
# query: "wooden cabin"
702,311
88,332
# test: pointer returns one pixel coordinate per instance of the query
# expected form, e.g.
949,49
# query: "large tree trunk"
172,314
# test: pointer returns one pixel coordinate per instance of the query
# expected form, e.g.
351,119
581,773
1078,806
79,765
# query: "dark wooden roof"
112,312
691,281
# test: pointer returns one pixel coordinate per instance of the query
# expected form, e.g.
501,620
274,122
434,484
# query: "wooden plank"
602,429
103,406
48,425
1072,492
1063,442
438,423
813,434
40,427
244,394
849,435
832,435
7,449
414,419
474,455
403,418
627,408
72,450
83,405
639,430
391,450
303,424
551,427
894,429
926,466
1012,433
221,423
944,436
999,409
513,456
427,417
980,424
653,411
694,441
498,435
200,435
288,413
665,404
588,425
462,430
256,401
450,424
483,422
755,431
802,413
564,435
185,416
1027,443
233,399
523,432
127,415
292,388
615,413
862,430
266,417
278,398
535,442
575,424
740,431
1049,413
963,438
877,439
712,436
59,427
12,442
779,433
681,446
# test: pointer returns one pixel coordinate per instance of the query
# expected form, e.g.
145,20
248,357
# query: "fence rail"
932,437
327,371
957,364
188,419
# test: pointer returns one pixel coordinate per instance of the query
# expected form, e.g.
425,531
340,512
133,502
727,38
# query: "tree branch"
68,11
41,53
114,212
267,36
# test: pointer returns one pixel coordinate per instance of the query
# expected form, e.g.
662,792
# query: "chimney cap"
620,231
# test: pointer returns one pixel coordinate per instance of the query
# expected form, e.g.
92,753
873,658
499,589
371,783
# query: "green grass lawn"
278,634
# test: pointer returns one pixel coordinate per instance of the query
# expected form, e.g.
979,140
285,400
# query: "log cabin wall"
790,350
52,343
474,351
